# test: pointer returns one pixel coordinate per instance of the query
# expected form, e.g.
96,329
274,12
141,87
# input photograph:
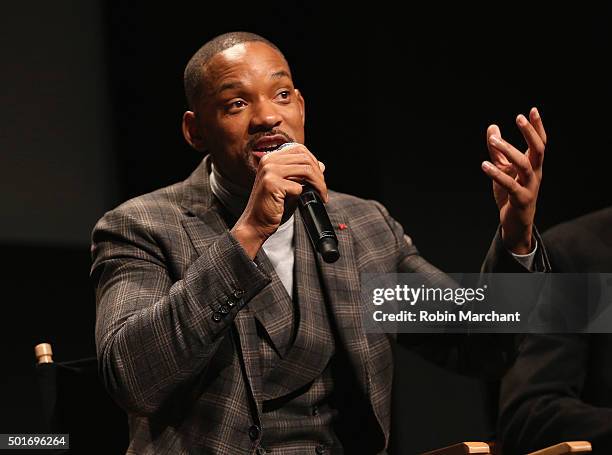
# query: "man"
219,329
560,387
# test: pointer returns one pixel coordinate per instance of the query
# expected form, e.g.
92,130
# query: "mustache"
274,132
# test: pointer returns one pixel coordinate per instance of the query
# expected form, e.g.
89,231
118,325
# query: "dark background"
398,102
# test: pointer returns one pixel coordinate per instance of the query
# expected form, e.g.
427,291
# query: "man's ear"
192,132
302,105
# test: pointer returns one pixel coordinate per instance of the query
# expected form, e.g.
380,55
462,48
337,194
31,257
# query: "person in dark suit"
560,387
218,328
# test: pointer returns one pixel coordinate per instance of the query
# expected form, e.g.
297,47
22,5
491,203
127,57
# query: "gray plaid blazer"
175,331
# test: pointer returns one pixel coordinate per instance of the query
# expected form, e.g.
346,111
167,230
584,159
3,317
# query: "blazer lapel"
342,282
273,308
314,344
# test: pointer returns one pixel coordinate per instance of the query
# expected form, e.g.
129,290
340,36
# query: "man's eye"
234,106
284,95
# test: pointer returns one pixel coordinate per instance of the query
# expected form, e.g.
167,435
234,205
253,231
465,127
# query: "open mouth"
267,149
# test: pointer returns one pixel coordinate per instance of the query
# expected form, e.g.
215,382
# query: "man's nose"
265,116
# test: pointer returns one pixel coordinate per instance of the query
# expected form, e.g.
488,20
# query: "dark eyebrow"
229,86
280,74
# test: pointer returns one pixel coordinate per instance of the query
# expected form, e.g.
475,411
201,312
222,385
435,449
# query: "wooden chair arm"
565,447
461,449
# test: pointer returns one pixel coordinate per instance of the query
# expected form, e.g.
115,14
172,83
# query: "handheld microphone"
316,220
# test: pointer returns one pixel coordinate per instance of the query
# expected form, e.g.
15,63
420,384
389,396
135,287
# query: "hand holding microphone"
316,220
278,184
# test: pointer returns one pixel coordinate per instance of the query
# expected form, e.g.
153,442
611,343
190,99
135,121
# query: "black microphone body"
317,224
316,220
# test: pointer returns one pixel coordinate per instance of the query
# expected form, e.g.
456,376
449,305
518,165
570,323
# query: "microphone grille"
285,145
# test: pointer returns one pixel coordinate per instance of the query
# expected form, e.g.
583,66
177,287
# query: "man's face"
248,106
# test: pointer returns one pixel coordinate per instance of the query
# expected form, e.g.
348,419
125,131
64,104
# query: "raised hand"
516,180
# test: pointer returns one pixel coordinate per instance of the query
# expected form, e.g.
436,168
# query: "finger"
295,157
496,156
291,188
536,120
500,177
302,150
305,172
508,169
289,158
320,167
314,159
296,150
273,176
517,158
536,146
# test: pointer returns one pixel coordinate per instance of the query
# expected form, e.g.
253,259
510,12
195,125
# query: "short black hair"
194,71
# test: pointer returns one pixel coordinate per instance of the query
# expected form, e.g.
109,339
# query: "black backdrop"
398,101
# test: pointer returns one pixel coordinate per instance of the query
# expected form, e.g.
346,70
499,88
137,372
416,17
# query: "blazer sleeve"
500,260
153,334
540,401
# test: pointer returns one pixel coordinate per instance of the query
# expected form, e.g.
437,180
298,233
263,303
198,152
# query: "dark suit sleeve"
540,402
500,260
153,334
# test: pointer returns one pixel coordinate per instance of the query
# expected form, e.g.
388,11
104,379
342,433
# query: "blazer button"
254,432
315,410
237,293
216,316
320,450
230,303
224,309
